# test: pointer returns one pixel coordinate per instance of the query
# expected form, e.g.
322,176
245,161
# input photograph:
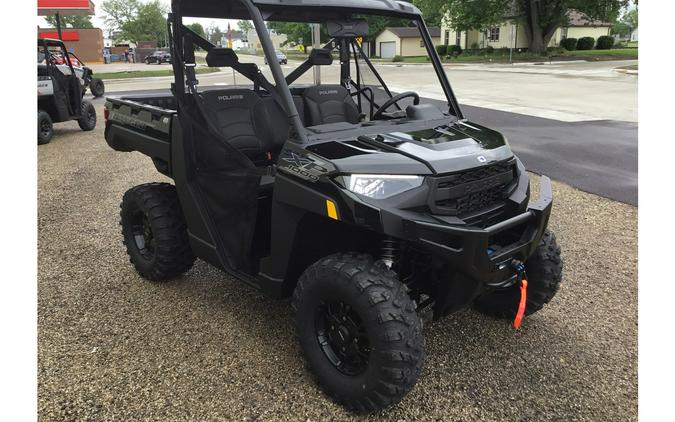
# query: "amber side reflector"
331,209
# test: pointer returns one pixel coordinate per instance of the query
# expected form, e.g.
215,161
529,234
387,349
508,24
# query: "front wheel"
87,120
544,275
359,331
97,88
45,128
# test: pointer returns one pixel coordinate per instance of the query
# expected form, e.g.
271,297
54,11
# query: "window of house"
447,37
494,34
422,43
563,33
458,39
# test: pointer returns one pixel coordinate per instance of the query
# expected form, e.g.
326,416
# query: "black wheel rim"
45,128
343,337
143,236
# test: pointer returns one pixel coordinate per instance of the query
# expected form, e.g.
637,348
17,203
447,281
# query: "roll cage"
184,41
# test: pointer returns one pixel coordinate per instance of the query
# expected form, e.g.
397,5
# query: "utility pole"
58,25
316,43
513,28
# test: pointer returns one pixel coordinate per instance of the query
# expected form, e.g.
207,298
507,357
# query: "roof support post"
275,67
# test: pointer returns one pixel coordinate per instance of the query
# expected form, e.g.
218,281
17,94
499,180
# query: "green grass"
499,56
618,52
150,73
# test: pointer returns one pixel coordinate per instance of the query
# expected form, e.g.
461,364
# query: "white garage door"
388,49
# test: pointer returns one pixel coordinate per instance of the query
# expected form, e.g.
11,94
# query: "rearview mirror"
347,29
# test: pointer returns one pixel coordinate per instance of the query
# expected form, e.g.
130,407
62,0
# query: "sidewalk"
125,67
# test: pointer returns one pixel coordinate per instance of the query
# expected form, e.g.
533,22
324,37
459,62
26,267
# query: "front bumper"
476,252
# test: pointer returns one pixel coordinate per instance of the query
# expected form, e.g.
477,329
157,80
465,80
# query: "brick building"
87,43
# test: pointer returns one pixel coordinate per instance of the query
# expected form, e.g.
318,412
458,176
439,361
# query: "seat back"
242,119
329,104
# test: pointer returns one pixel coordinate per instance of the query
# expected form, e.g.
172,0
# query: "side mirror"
320,57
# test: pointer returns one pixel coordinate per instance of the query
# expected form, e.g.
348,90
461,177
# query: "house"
254,45
239,40
403,41
512,34
634,35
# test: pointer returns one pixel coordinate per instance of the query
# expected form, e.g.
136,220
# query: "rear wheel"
45,127
87,121
544,275
155,232
97,88
359,331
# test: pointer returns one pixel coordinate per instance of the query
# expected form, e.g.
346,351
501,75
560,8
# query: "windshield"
364,72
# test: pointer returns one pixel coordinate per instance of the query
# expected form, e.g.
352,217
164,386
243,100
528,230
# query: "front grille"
473,191
477,174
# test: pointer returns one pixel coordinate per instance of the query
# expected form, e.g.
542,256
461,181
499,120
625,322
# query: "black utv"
60,91
371,210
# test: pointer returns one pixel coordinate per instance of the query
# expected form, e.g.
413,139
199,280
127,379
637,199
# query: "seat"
242,119
330,104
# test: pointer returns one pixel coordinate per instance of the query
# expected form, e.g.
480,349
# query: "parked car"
158,57
281,58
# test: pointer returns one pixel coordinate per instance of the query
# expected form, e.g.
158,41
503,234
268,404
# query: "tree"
476,15
244,26
197,28
539,18
377,24
149,24
119,12
71,21
432,10
297,32
630,18
214,34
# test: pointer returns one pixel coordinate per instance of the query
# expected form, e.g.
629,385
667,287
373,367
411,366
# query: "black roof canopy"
295,10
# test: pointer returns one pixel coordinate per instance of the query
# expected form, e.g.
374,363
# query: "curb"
153,78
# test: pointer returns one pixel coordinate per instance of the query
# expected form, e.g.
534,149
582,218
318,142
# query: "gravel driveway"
204,347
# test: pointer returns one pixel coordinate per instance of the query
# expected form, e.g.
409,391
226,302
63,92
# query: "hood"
447,149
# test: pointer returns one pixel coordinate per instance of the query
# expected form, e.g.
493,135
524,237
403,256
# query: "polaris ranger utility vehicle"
83,72
370,209
60,93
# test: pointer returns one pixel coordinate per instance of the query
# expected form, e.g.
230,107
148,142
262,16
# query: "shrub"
489,49
569,44
442,50
504,51
605,42
454,50
397,59
475,46
555,51
585,43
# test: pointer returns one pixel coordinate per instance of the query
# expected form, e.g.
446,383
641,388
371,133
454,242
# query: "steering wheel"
393,100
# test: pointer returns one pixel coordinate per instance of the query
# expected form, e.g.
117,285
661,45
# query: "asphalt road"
112,346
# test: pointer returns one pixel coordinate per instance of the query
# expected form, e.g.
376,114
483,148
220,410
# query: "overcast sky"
98,20
222,23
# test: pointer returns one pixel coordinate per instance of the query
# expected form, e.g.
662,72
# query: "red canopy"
65,7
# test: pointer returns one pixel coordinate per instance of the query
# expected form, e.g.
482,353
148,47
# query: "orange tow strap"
522,305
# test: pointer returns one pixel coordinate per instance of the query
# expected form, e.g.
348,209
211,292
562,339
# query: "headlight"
381,186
